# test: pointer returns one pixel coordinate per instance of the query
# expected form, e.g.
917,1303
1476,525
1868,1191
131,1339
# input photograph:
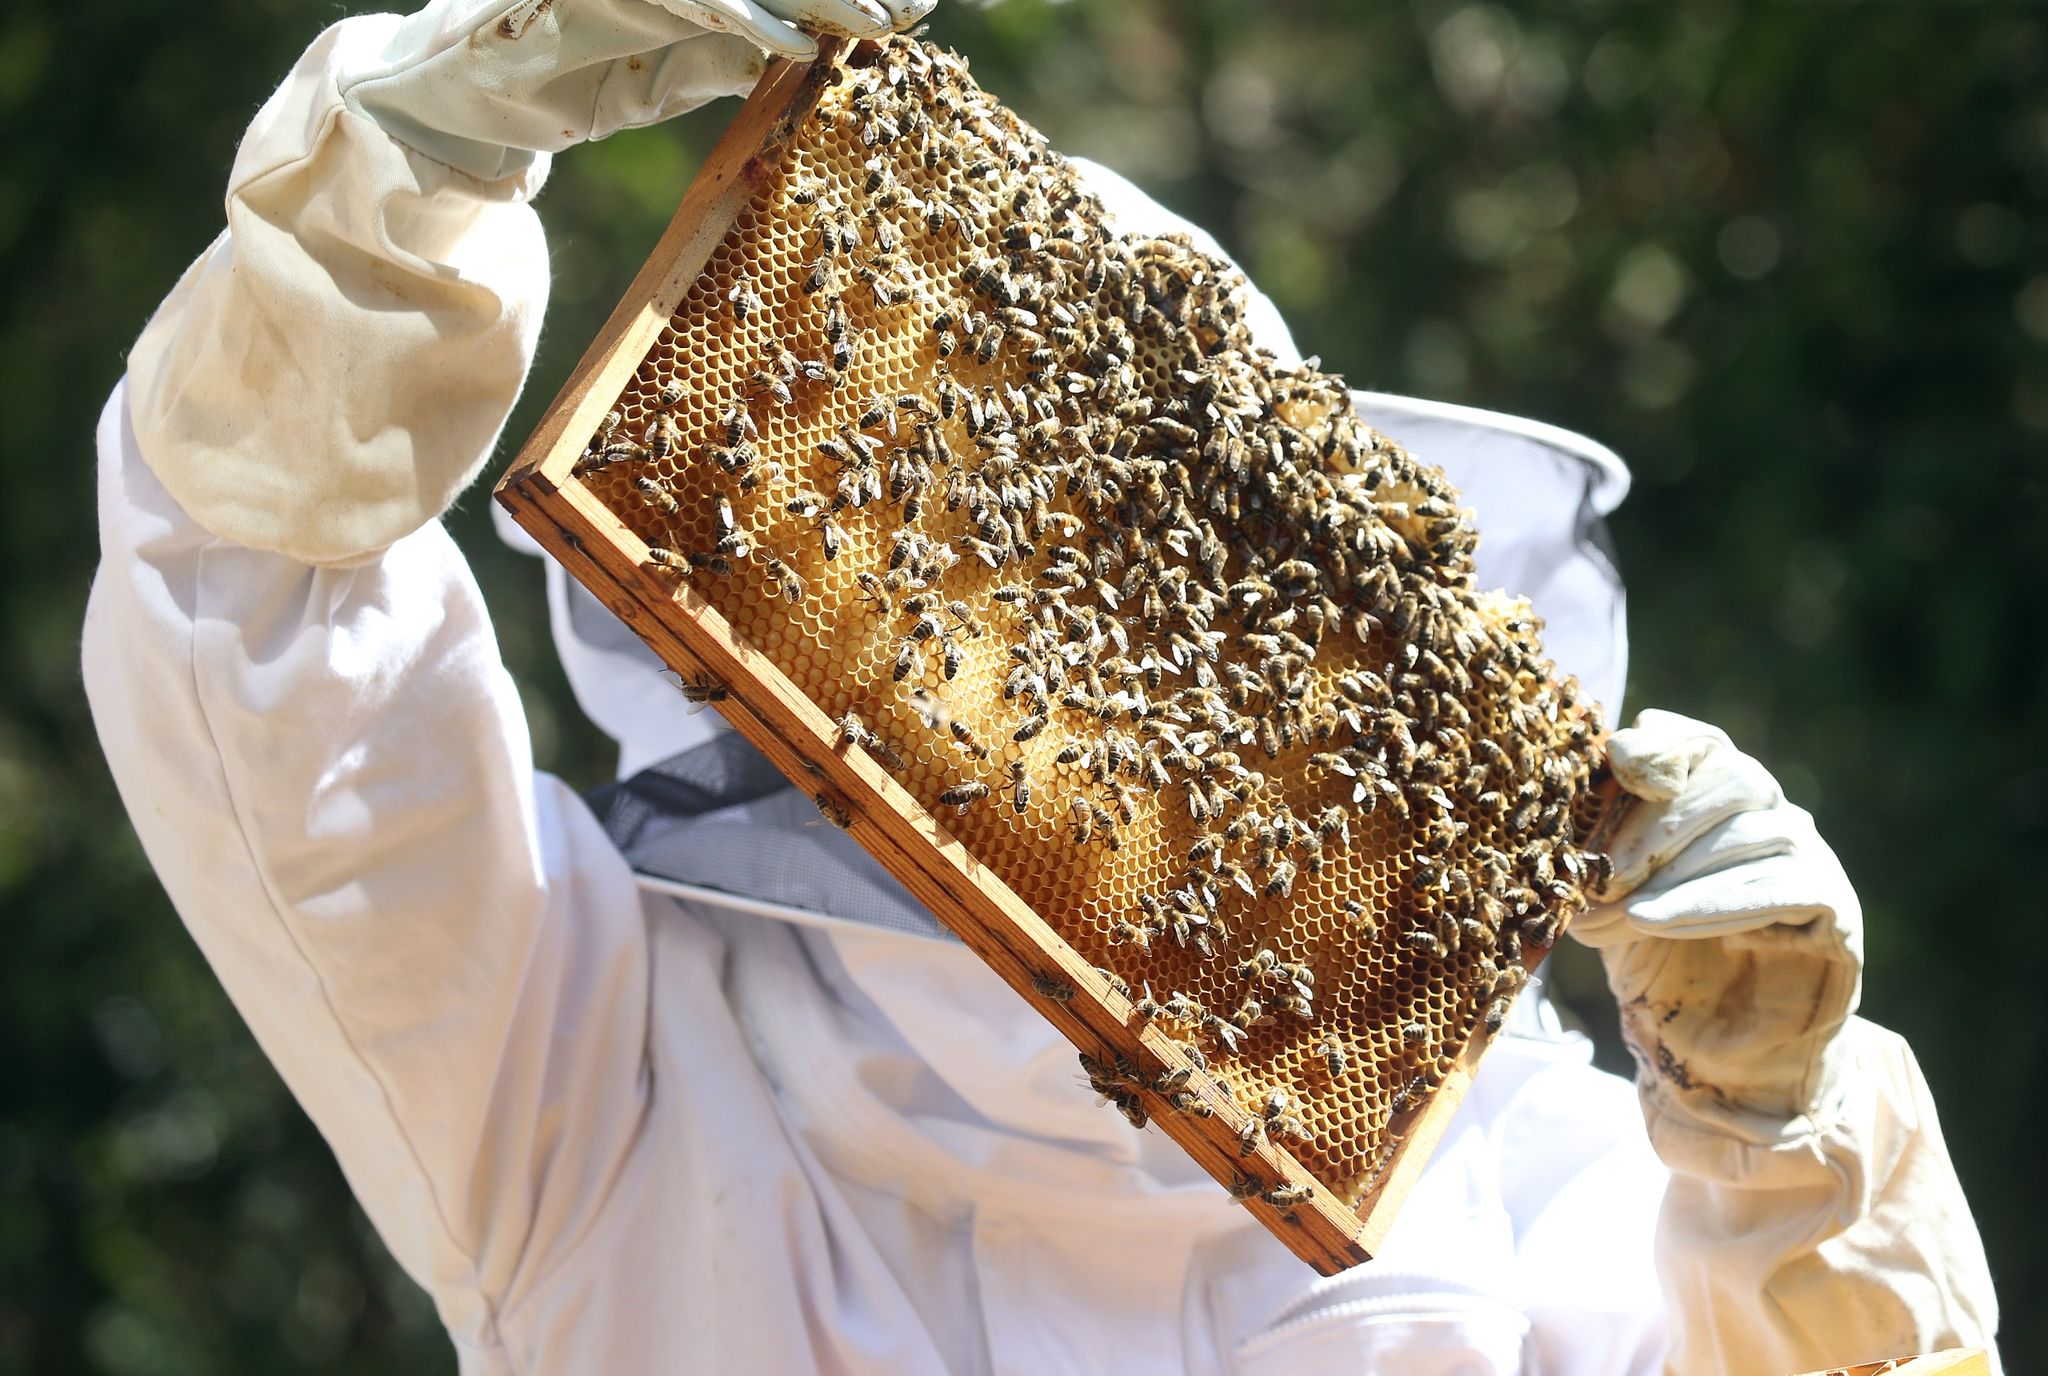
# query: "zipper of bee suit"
1044,1244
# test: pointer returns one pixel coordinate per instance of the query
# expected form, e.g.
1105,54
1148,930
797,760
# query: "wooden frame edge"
542,494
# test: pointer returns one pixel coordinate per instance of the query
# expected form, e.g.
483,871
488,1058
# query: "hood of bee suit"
1541,495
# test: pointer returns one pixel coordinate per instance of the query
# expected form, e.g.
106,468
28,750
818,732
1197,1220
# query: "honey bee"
605,456
963,735
1052,987
833,812
835,336
664,435
761,382
1287,1198
836,235
786,580
738,424
1425,943
1225,1033
745,301
873,589
1333,1057
701,690
852,730
1127,933
1132,1108
964,796
1020,787
1029,727
659,495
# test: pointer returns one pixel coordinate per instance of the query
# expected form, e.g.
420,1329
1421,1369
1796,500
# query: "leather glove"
485,85
1731,937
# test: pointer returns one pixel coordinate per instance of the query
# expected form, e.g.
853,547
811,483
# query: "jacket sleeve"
1838,1238
336,367
312,731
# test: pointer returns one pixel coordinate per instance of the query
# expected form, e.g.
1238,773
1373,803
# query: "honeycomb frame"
583,520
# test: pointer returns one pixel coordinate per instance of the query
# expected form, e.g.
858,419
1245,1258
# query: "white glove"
1812,1216
1731,937
484,85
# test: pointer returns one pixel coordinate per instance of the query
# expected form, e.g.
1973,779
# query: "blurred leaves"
1790,260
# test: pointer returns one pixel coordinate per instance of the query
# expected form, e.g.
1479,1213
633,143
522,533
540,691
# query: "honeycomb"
1168,638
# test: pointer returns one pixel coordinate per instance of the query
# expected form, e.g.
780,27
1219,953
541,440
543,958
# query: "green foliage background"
1790,259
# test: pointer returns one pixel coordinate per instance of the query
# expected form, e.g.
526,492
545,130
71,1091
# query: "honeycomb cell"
1182,650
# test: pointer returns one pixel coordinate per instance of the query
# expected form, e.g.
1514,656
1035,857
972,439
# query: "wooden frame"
542,493
1959,1361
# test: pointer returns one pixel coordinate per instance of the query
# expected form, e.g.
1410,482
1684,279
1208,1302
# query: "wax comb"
1154,672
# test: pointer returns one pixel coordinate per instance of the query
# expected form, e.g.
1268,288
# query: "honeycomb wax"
1167,637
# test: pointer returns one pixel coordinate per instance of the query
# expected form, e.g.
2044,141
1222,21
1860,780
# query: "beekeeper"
752,1111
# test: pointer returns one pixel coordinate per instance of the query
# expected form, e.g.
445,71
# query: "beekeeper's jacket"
614,1131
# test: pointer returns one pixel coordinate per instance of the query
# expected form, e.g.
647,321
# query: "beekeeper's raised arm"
289,665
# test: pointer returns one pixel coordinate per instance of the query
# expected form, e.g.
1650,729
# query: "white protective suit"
614,1131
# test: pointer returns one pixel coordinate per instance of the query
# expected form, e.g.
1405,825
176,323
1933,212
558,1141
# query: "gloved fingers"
674,81
1602,926
847,18
1654,756
1724,783
1793,889
755,22
1741,839
905,14
1737,838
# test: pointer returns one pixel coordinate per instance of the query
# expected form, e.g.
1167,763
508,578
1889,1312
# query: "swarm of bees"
1155,625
